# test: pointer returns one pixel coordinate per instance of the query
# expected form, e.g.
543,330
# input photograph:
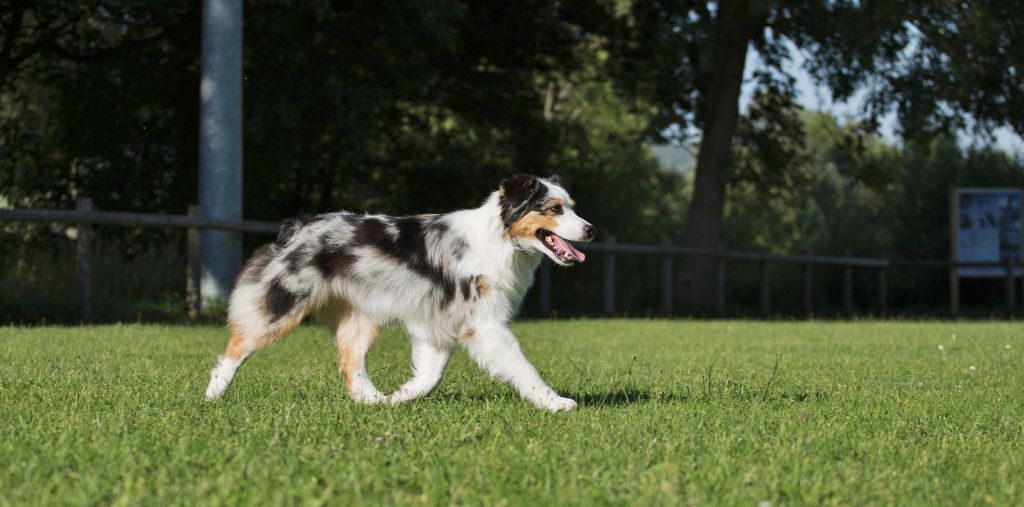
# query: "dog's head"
538,215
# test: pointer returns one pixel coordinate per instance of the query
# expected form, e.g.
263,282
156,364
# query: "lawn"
671,412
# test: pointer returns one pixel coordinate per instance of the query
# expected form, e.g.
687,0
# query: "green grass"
670,413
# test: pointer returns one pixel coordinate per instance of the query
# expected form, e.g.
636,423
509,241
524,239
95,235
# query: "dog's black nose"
588,230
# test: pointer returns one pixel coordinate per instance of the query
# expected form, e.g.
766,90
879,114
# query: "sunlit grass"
671,412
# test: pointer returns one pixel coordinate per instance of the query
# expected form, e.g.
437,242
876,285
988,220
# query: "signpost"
984,226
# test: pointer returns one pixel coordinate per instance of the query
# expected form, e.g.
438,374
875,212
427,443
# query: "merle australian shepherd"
452,280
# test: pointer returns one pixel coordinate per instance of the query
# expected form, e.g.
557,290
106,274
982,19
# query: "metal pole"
220,143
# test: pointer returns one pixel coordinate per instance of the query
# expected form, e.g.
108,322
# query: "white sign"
987,228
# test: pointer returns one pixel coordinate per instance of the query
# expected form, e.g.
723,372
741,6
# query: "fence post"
545,288
83,261
193,298
808,286
766,290
666,279
848,291
954,290
609,277
1011,297
883,292
720,286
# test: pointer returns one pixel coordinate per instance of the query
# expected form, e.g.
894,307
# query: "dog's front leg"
428,363
497,351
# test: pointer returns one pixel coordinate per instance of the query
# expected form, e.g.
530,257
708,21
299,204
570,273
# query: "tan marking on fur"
344,361
572,202
236,347
482,287
527,226
351,354
467,335
242,342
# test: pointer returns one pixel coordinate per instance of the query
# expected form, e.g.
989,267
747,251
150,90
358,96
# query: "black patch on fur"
371,232
334,261
519,194
408,247
296,259
464,286
257,263
280,301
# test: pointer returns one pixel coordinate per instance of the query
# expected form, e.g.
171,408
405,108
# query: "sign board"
986,227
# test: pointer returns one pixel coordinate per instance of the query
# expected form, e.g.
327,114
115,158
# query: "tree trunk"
718,116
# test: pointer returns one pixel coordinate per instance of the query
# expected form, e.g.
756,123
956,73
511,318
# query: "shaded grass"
671,412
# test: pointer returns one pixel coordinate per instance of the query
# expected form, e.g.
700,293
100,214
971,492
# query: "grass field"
670,413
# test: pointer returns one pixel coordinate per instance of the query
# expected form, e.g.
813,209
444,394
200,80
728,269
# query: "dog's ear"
516,194
557,180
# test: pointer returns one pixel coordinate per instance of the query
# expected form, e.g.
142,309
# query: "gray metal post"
220,143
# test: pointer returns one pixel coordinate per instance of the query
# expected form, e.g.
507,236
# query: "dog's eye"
556,209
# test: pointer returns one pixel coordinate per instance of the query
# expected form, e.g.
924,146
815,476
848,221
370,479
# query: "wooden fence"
85,216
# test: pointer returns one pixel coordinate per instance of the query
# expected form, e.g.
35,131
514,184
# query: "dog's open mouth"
560,247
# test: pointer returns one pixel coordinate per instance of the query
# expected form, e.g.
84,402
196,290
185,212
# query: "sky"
812,97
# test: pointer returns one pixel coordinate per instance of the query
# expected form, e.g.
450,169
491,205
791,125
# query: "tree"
940,65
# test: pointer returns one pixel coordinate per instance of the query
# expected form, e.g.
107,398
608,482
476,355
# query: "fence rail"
85,216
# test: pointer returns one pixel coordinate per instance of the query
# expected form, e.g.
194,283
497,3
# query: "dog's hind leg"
429,359
355,334
252,327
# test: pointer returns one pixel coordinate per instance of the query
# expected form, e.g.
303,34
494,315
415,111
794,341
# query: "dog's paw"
559,404
367,397
404,396
218,384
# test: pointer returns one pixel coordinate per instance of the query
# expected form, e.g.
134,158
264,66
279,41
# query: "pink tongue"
568,248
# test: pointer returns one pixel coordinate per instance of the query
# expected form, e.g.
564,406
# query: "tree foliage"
399,107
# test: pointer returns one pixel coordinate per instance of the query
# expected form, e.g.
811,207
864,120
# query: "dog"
453,280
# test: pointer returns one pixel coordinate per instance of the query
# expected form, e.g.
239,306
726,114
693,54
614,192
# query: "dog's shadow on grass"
623,397
620,397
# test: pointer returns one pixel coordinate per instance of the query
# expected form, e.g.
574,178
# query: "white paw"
559,404
398,397
218,385
367,397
